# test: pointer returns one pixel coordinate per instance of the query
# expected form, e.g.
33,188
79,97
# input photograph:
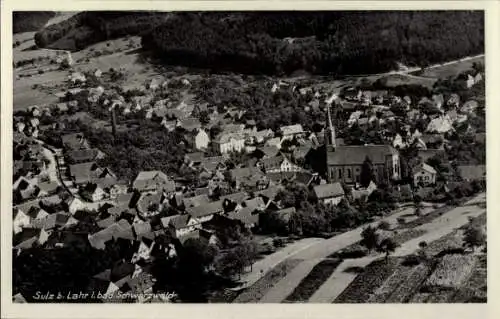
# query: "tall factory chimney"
113,120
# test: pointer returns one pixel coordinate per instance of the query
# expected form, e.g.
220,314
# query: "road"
340,279
311,248
315,250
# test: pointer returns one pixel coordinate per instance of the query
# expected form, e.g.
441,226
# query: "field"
445,71
256,291
313,280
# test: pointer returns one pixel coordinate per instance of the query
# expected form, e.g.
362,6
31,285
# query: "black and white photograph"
269,157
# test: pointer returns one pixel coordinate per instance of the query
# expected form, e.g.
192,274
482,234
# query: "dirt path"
339,280
261,267
286,285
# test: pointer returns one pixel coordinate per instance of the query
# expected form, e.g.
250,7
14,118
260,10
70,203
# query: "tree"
370,238
387,246
367,173
417,201
384,225
474,236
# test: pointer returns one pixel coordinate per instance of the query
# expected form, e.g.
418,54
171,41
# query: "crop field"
255,292
371,278
319,274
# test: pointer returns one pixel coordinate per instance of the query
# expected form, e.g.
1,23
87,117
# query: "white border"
420,311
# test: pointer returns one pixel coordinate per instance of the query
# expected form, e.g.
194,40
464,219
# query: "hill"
279,43
86,28
318,42
30,21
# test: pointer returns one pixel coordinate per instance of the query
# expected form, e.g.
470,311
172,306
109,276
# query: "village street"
340,279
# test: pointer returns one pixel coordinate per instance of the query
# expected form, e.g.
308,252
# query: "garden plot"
474,290
451,272
451,241
382,293
255,292
371,278
410,286
319,274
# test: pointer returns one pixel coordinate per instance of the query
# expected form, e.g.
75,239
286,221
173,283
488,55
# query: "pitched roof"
291,129
329,190
195,200
235,197
247,215
239,173
143,229
147,180
269,192
176,221
356,155
190,124
146,200
206,209
196,157
90,171
83,155
425,167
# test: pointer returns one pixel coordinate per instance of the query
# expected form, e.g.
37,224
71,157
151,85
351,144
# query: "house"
231,201
93,192
469,107
120,229
266,152
21,219
29,237
398,142
180,225
193,159
472,172
453,100
226,143
77,77
148,181
84,155
144,247
201,140
345,162
89,172
278,163
212,164
424,174
195,201
189,124
74,204
250,177
205,212
151,204
470,81
291,131
330,194
248,215
441,124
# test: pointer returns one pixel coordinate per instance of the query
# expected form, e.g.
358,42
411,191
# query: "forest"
317,42
86,28
281,43
30,21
